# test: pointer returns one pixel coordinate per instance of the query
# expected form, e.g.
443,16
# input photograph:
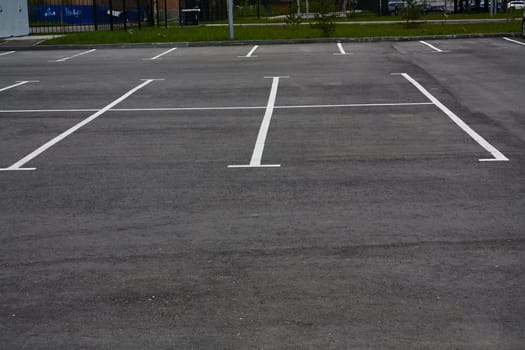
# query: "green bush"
324,18
411,13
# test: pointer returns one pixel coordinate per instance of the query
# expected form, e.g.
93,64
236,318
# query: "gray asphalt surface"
380,230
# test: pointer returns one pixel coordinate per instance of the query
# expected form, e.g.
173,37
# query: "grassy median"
202,33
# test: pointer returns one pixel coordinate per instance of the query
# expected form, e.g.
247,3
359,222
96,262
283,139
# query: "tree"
411,12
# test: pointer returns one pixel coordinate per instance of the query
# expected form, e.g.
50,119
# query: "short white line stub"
250,54
514,41
160,55
77,55
498,156
7,53
19,164
258,150
256,166
431,46
341,50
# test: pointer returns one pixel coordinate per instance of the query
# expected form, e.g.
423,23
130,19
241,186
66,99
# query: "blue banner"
78,15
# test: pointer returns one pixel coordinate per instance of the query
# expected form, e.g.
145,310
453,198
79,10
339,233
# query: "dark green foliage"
325,18
292,18
411,13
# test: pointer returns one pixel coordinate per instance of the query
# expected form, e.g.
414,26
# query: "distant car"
395,5
518,5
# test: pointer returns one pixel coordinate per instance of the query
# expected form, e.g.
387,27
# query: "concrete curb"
5,47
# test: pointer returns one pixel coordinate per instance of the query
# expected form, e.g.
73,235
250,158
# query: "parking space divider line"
162,54
77,55
19,165
46,110
341,50
498,156
258,150
399,104
431,46
219,108
514,41
249,55
18,83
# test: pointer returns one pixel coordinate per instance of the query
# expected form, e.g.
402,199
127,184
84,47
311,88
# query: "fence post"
151,13
125,17
166,13
180,13
157,12
95,22
138,13
111,15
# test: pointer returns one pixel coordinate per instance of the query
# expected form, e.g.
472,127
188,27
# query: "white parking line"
7,53
18,83
18,165
431,46
46,110
341,50
249,55
221,108
400,104
162,54
256,159
78,54
498,156
514,41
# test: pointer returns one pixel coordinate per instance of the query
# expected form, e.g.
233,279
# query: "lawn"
202,33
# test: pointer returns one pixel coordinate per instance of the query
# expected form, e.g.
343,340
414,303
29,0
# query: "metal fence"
59,16
62,16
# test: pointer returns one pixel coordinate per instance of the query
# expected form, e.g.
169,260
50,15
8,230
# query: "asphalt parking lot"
309,196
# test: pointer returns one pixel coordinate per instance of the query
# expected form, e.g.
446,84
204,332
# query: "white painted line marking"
18,165
341,50
256,166
402,104
18,83
46,110
17,169
263,130
162,54
514,41
265,125
7,53
498,156
78,54
249,55
175,109
431,46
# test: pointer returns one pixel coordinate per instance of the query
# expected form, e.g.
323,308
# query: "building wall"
14,19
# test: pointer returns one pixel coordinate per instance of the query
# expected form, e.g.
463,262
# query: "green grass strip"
200,33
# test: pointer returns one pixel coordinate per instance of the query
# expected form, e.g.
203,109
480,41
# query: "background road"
381,229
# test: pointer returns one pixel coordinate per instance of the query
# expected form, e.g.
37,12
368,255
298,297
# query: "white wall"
14,18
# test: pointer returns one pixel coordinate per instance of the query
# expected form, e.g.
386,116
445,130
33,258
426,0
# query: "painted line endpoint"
256,166
17,169
493,160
